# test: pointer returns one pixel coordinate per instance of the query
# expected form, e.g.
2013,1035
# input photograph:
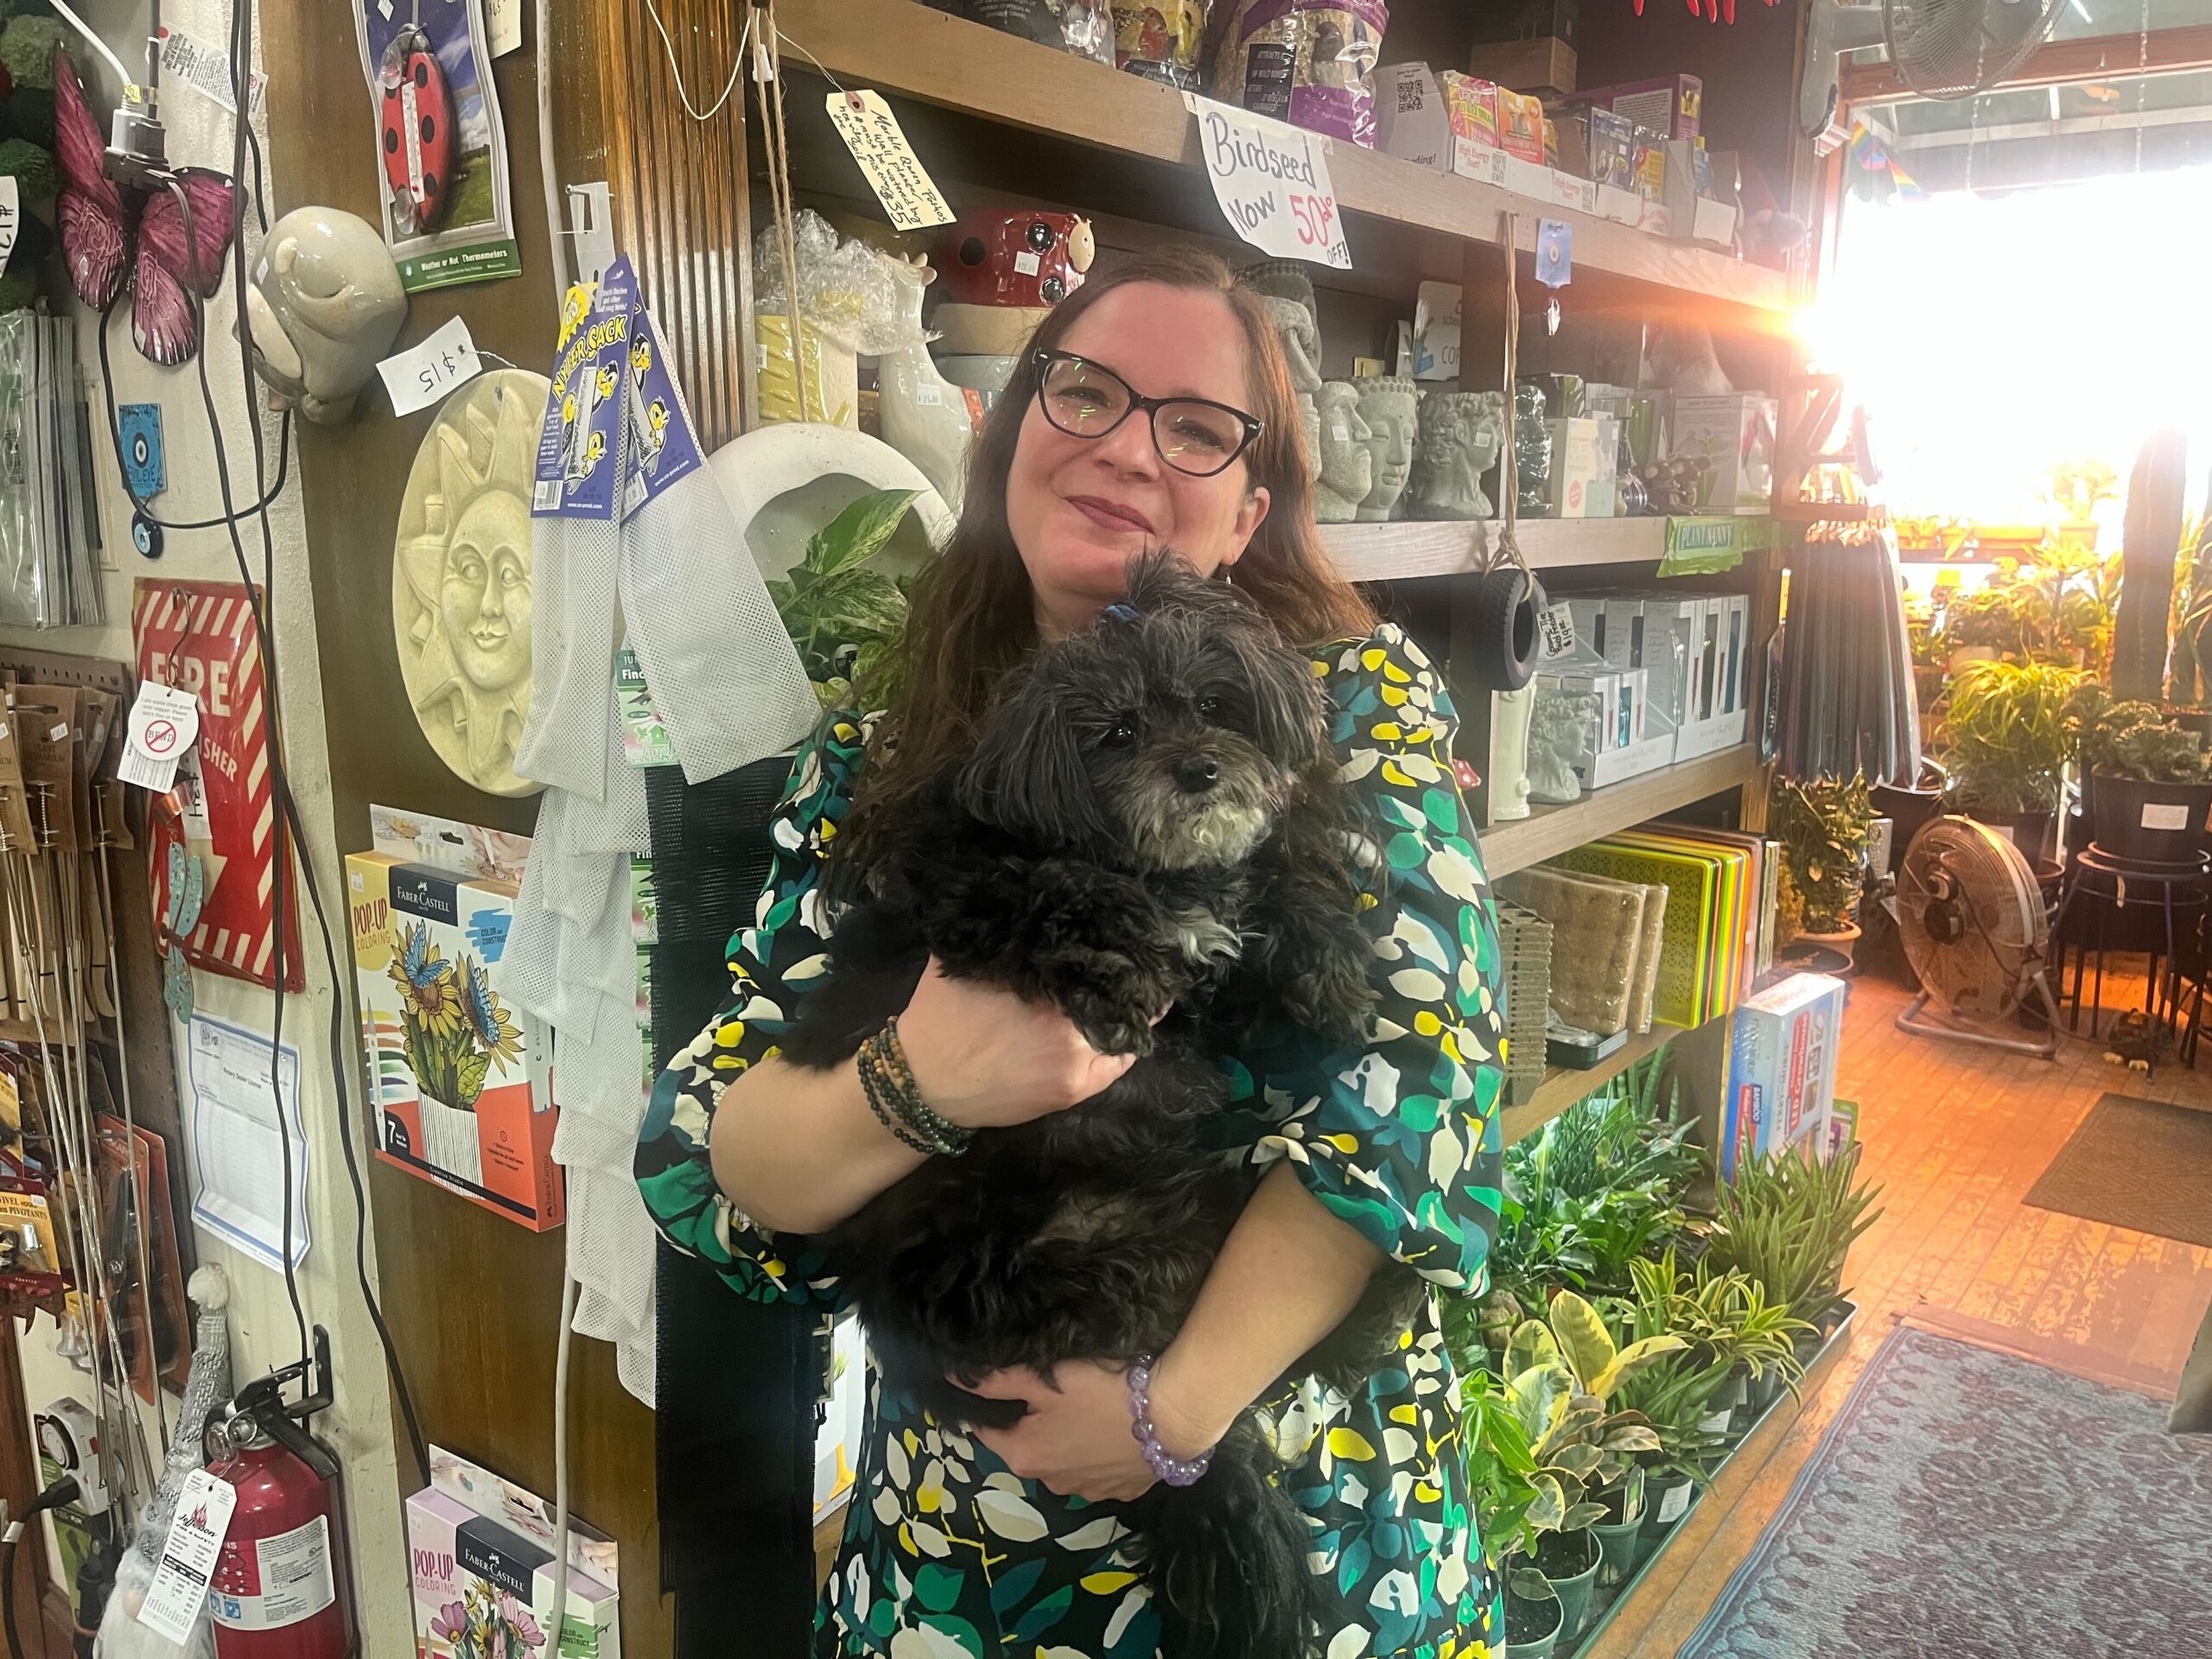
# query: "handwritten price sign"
1272,181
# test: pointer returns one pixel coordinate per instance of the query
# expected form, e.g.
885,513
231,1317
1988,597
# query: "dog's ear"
1286,712
1027,774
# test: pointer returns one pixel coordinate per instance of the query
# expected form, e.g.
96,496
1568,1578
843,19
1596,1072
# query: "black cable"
64,1490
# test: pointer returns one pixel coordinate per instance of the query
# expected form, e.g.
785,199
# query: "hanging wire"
674,70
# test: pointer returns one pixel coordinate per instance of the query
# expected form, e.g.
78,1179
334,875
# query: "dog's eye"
1120,734
1212,707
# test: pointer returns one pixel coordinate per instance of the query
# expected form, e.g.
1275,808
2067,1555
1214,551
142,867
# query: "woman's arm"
1286,1277
798,1151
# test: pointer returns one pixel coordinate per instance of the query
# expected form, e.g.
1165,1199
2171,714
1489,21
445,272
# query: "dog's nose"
1198,773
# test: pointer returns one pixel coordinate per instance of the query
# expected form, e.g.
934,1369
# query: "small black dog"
1150,821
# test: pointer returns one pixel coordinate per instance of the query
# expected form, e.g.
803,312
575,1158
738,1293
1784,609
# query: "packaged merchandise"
1521,125
1574,468
1159,39
1733,435
1666,107
1411,119
477,1588
1695,208
1309,62
1782,1069
1471,107
459,1077
1083,27
1597,926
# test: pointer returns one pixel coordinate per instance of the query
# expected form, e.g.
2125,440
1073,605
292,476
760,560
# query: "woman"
960,1542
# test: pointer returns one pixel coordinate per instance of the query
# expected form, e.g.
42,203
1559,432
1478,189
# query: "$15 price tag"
422,374
1272,181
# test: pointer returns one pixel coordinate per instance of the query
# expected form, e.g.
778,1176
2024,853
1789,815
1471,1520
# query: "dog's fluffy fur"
1149,822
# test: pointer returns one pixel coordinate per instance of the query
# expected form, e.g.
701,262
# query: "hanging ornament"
187,890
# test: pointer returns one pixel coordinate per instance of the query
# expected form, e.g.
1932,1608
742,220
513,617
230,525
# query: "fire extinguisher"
279,1589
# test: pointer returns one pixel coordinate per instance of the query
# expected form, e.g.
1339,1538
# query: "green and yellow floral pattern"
946,1554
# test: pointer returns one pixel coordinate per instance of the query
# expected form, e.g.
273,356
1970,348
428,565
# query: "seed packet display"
442,148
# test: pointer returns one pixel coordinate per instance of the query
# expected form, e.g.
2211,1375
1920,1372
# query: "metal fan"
1940,48
1975,931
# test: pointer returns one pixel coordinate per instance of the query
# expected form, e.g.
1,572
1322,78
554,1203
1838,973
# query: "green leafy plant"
1788,1224
2134,740
1995,617
454,1027
2006,737
844,615
1592,1443
1822,824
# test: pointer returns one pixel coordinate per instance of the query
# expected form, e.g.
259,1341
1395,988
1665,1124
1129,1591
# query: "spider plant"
2005,736
1788,1224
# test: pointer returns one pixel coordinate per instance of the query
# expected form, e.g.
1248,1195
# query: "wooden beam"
2059,63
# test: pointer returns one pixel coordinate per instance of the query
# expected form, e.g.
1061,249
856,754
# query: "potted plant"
1788,1224
841,613
1984,626
1502,1472
1575,1340
1823,824
2149,784
2005,740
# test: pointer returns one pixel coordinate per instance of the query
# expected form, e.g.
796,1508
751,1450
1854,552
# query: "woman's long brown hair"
973,615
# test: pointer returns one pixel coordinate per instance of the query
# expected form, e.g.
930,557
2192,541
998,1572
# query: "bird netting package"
626,509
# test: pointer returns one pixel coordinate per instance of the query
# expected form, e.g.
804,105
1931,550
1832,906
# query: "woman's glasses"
1193,435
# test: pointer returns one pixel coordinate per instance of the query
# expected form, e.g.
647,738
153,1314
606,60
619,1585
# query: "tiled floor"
1957,1134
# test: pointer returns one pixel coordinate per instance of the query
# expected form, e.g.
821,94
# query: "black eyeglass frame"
1042,360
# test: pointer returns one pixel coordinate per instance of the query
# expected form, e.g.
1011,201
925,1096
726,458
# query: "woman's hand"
1076,1439
986,1058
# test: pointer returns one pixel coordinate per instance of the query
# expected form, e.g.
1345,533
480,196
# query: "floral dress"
946,1554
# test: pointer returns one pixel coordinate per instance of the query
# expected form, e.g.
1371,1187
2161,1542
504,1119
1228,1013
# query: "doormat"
2137,1164
1969,1504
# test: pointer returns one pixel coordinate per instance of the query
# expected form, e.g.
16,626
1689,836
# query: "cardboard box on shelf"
1735,435
1669,107
1546,64
1717,660
1782,1068
459,1079
1694,214
1470,109
1411,120
471,1574
1434,337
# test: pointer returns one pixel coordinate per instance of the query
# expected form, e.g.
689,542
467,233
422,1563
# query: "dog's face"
1168,735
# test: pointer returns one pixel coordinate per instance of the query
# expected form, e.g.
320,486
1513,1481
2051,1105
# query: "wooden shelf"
1549,830
1402,552
900,46
1564,1086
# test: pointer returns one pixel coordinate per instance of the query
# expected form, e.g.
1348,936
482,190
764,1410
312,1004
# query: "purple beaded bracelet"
1176,1472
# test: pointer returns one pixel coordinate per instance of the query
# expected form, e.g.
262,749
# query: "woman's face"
1079,509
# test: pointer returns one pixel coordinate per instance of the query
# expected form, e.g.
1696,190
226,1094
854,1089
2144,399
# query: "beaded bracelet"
1176,1472
918,1112
897,1104
883,1114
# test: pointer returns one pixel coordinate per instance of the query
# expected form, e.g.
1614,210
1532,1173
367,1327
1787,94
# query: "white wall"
262,1330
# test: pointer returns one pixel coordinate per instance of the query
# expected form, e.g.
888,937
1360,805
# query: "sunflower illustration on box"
456,1072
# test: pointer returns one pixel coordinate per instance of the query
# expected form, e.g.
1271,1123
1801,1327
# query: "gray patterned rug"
1965,1504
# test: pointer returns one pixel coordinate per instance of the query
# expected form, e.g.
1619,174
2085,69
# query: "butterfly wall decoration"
114,235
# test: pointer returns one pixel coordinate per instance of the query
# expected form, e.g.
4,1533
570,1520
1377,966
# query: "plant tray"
1608,1602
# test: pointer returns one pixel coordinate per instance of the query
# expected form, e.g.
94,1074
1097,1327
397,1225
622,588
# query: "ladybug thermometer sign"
1272,181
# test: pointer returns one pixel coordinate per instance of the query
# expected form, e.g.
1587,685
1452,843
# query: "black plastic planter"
2151,823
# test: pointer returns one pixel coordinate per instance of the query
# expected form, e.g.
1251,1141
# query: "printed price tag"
178,1595
425,374
205,69
1556,631
1554,253
11,216
1272,181
864,121
163,722
1676,1501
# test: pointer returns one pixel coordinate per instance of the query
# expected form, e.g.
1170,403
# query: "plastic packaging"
849,306
1159,39
1310,62
1083,27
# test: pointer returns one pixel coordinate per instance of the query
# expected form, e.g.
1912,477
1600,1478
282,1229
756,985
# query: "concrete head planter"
1389,407
1460,434
1347,464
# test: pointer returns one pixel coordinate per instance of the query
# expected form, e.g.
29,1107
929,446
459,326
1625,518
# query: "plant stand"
2171,900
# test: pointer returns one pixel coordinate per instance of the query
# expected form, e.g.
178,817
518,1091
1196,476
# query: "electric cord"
64,1490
